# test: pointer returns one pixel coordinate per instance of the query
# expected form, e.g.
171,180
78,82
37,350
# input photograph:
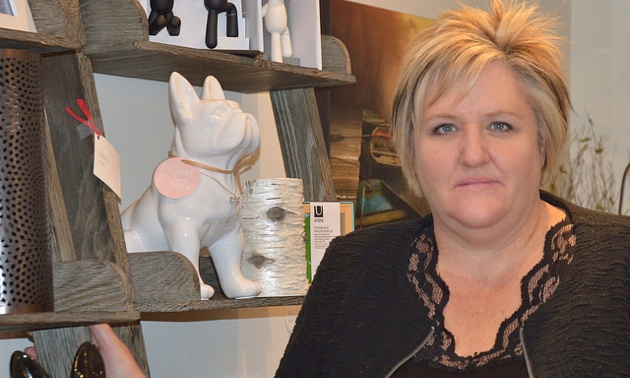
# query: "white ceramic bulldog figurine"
194,199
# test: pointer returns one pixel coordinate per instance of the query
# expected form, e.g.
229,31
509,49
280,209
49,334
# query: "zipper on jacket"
413,353
528,363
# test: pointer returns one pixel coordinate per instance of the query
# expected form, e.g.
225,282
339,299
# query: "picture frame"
364,165
16,15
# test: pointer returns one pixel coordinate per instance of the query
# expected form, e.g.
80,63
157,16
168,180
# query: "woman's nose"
473,147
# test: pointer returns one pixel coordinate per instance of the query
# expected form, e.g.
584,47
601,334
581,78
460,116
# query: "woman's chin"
480,215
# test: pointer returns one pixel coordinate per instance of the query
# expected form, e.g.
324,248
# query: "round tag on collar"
175,179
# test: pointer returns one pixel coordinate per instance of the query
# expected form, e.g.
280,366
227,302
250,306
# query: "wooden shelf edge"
220,304
47,320
166,282
40,43
85,292
162,280
90,285
245,303
118,44
156,61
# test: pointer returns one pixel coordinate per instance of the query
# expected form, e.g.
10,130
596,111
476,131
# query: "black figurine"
162,16
215,7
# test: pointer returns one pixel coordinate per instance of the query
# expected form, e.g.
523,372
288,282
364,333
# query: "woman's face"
477,157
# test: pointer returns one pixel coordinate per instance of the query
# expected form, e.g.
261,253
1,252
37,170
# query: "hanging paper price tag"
107,164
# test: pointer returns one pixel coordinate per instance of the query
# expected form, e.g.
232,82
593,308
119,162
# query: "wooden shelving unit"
155,61
91,272
118,44
94,278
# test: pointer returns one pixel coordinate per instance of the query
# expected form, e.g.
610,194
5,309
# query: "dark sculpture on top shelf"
215,7
162,16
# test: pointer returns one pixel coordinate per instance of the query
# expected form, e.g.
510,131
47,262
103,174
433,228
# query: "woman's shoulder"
376,242
385,234
583,217
598,233
599,221
364,257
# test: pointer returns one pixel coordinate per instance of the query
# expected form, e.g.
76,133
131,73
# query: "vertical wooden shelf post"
302,140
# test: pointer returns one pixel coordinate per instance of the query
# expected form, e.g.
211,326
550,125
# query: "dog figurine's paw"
207,291
241,288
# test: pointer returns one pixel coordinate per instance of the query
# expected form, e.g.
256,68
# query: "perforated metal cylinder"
25,255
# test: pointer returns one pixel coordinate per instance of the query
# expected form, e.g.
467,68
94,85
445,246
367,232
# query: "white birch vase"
273,231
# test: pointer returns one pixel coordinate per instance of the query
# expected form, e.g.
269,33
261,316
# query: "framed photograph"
365,167
16,15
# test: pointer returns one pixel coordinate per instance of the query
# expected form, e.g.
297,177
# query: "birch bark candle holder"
273,231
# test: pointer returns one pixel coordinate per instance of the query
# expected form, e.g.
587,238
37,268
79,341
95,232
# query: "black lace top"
536,287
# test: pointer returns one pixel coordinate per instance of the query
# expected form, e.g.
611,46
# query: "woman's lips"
476,183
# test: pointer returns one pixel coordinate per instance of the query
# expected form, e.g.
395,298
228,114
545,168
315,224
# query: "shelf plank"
225,303
162,281
156,61
118,44
167,282
85,291
218,302
90,285
40,43
46,320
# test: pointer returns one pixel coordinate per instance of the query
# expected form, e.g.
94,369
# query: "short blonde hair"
459,46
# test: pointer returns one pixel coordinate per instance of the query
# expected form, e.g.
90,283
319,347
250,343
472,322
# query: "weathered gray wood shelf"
40,43
167,282
85,291
58,319
118,44
155,61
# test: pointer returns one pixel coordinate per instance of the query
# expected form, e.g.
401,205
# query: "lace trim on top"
536,287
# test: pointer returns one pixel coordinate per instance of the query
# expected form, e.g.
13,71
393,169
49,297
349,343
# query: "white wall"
249,343
600,75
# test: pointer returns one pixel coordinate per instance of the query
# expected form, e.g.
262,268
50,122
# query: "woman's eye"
444,128
500,126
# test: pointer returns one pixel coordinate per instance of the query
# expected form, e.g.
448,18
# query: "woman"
501,279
